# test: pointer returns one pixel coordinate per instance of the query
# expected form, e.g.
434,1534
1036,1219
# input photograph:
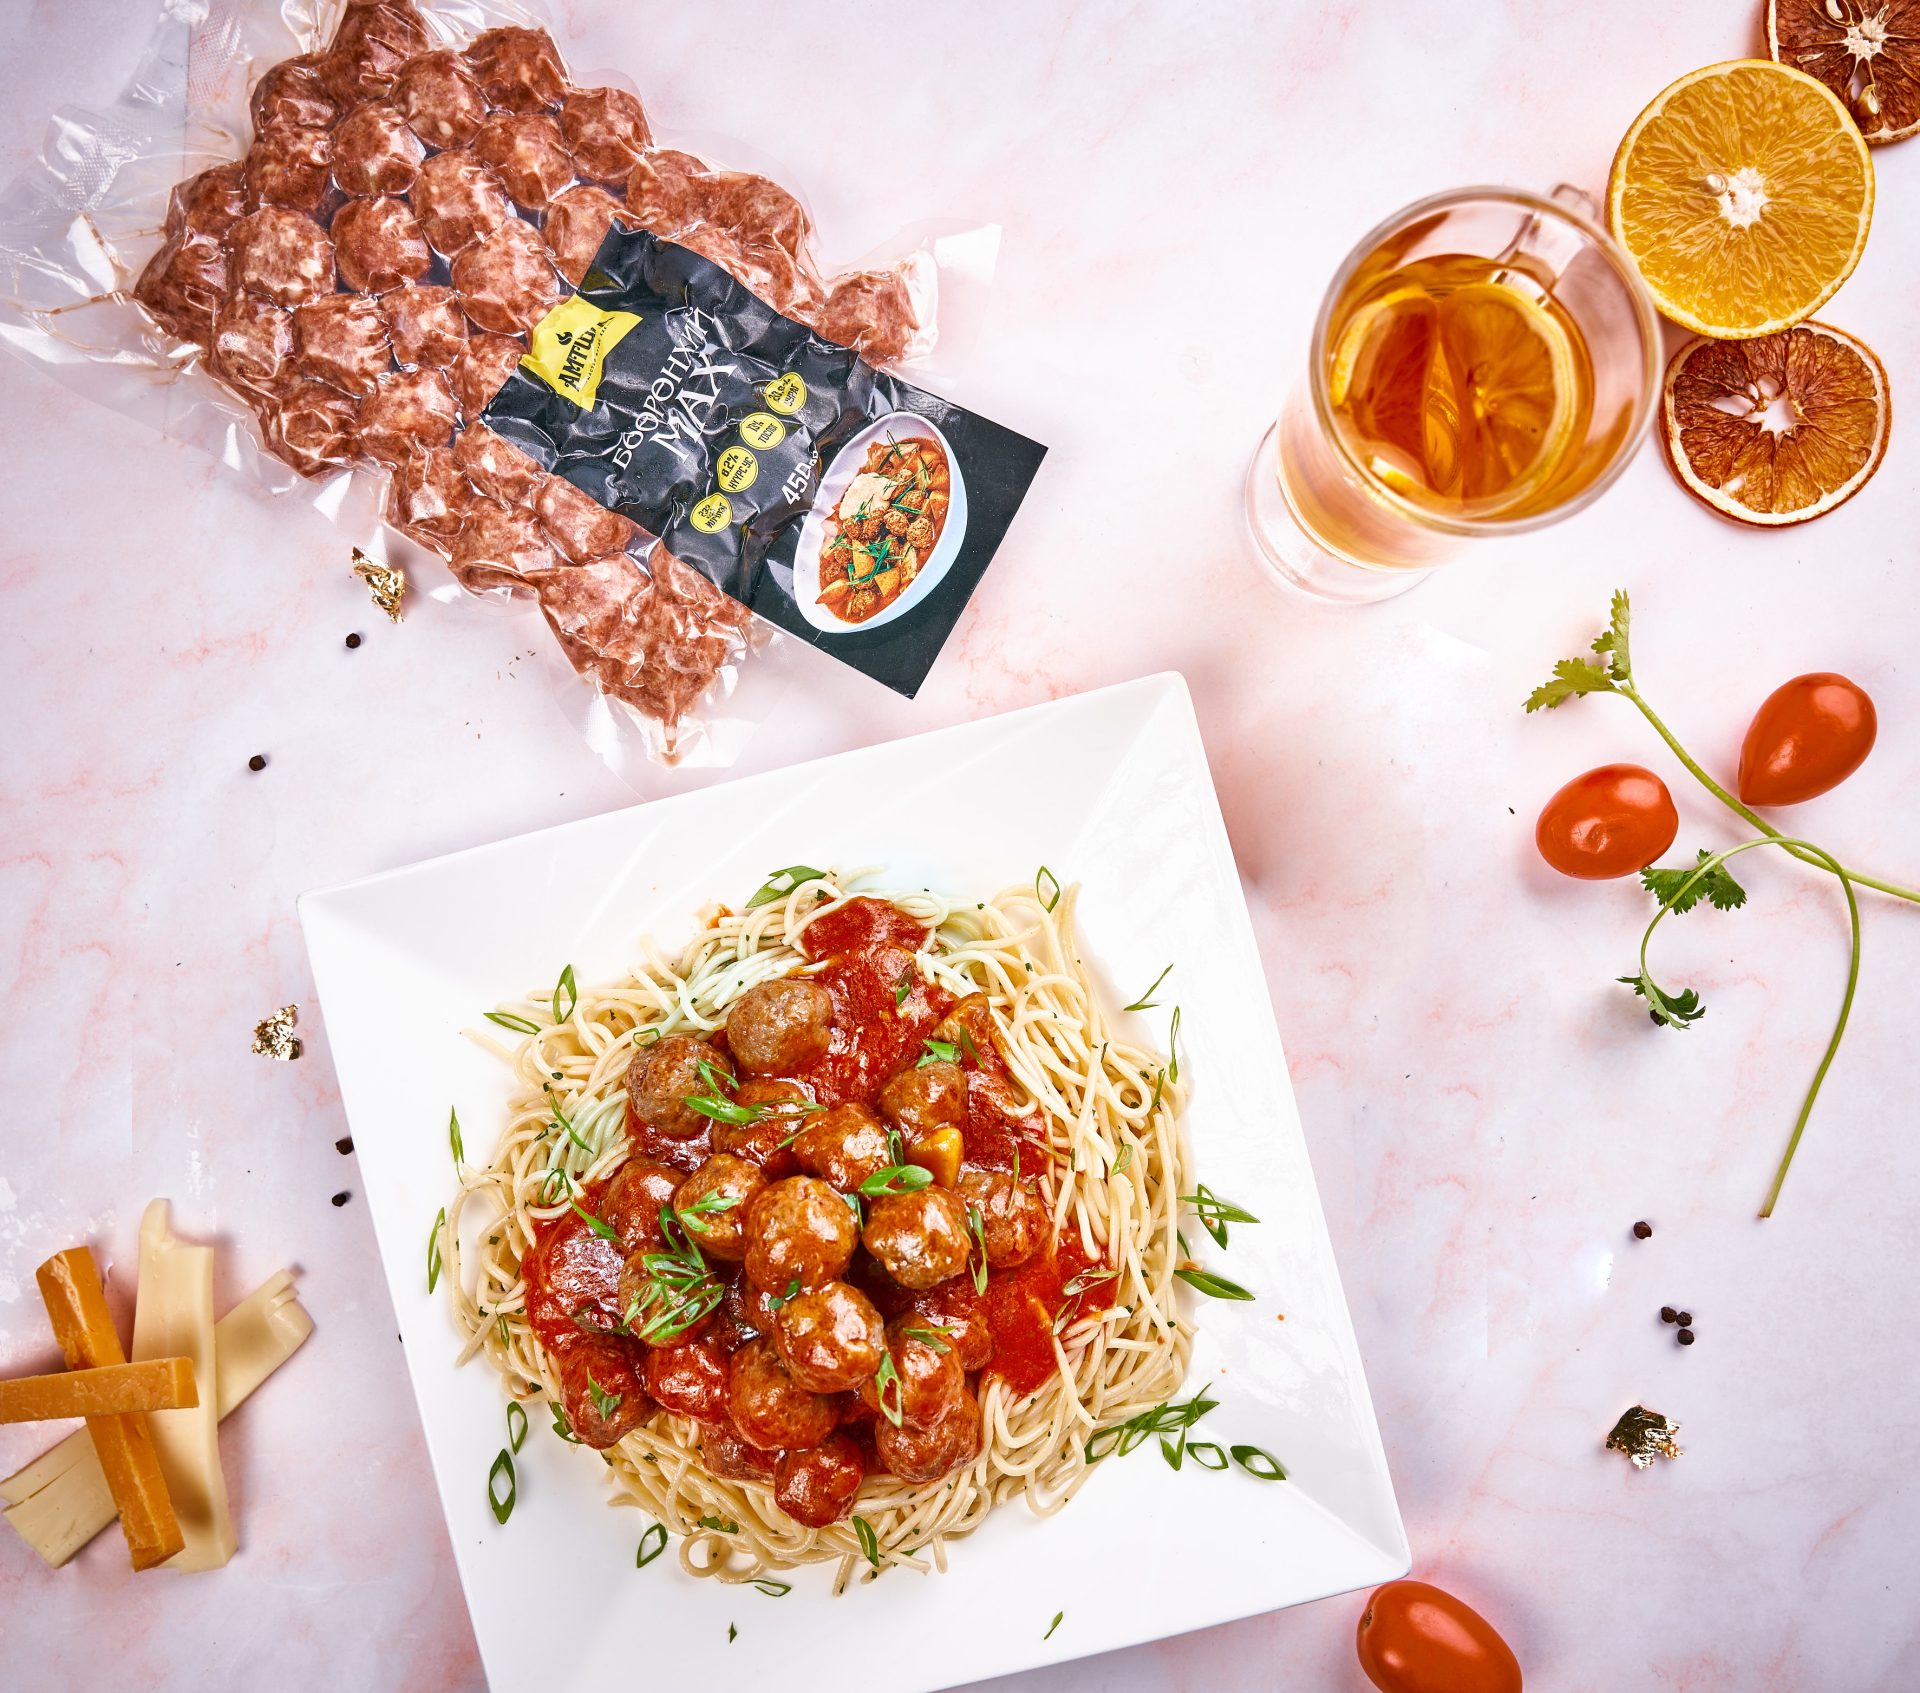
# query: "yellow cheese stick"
161,1384
173,1315
76,1306
60,1501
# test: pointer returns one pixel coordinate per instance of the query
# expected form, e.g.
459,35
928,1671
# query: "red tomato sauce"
868,946
1022,1304
573,1278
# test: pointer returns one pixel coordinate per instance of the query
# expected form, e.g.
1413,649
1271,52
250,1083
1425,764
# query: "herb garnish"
1146,1002
604,1230
603,1402
565,987
1124,1159
562,1424
1058,1617
433,1250
453,1138
869,1541
885,1377
774,1589
903,985
939,1052
516,1431
694,1216
979,1240
507,1020
896,1179
1215,1287
1122,1438
652,1544
1267,1468
741,1116
780,883
777,1300
1215,1213
1040,884
934,1337
719,1525
502,1465
1680,890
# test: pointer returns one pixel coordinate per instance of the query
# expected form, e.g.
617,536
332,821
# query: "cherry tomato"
1415,1639
1809,735
1609,822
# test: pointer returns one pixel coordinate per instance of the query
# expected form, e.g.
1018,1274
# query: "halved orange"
1866,51
1743,196
1776,430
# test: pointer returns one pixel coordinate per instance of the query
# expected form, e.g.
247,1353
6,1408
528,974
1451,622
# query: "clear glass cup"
1332,515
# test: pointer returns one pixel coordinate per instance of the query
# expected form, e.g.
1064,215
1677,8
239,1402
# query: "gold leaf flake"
1644,1435
386,583
273,1037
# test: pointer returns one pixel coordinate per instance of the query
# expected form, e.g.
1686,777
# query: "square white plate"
1110,789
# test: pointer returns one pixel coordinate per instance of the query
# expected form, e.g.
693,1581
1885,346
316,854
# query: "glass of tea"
1484,363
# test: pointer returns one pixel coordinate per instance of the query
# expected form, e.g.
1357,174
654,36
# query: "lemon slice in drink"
1743,196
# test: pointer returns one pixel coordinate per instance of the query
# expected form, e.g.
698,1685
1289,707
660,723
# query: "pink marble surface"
1488,1114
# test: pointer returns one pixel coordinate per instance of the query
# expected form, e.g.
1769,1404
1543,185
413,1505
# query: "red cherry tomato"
1415,1639
1609,822
1809,735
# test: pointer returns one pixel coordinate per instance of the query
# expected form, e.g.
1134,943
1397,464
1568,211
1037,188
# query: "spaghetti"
1098,1114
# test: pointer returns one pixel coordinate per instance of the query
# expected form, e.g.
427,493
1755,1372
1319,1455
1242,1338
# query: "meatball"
778,1027
798,1230
311,427
576,225
955,1312
375,38
506,277
689,1379
289,167
184,284
458,200
745,1311
663,1076
926,1453
252,344
844,1146
631,1204
408,410
770,1409
210,203
606,130
581,527
282,256
290,94
765,1142
528,155
725,1454
660,1313
440,100
501,471
830,1336
921,1101
601,1391
919,1238
712,1205
819,1486
379,245
1013,1222
429,499
500,547
374,152
927,1369
519,69
482,369
426,324
341,339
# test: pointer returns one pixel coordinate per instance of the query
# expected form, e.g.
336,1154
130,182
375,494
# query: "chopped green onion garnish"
1058,1616
652,1544
1173,1048
1214,1287
516,1425
564,988
453,1136
896,1179
903,986
562,1425
719,1525
604,1230
1125,1157
1041,883
507,1020
1217,1460
780,883
433,1250
869,1541
887,1376
939,1052
1258,1463
1146,1002
979,1240
604,1402
502,1508
934,1337
774,1589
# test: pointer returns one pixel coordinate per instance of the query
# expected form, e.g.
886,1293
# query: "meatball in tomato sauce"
926,1369
770,1409
631,1204
819,1486
777,1028
919,1238
926,1452
711,1205
601,1392
843,1146
831,1337
1013,1223
768,1141
664,1076
798,1230
923,1100
689,1380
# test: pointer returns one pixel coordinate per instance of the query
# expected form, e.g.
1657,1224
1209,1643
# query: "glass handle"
1544,247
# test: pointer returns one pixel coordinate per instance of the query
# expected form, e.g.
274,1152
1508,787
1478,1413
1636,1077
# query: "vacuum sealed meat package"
400,227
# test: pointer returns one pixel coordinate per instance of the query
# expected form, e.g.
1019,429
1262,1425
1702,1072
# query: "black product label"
845,505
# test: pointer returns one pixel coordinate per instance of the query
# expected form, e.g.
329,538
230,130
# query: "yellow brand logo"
569,346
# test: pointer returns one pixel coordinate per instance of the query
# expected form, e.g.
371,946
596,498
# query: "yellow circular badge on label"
763,430
711,514
736,468
786,393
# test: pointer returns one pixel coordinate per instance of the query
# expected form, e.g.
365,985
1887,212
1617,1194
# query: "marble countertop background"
1488,1112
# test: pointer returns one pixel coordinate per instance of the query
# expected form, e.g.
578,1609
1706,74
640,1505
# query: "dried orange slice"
1743,196
1866,51
1776,430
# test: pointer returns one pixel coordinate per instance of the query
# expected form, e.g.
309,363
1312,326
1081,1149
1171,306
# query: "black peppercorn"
1642,1230
1684,1319
341,1198
257,762
343,1145
1668,1314
352,642
1685,1337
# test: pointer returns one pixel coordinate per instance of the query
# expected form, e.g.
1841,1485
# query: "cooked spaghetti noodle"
1114,1166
